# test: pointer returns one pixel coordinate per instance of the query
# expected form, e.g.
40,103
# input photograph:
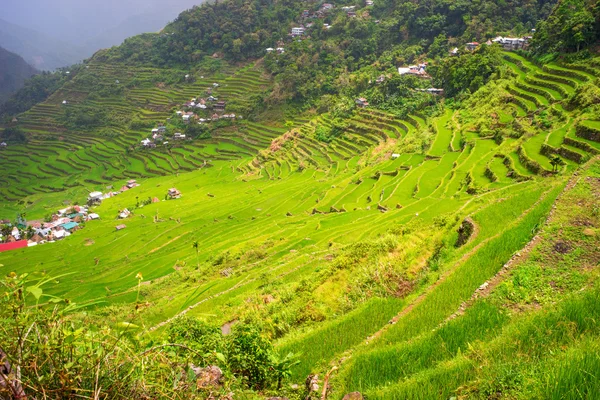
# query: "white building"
94,196
298,31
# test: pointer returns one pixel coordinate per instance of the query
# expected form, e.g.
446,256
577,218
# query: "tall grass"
438,383
397,362
447,297
322,344
579,375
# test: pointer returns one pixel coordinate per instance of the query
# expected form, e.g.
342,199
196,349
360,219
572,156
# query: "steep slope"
13,73
398,242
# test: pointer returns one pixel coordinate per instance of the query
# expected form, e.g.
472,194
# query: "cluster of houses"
299,31
157,134
320,13
95,198
63,223
415,70
507,43
279,50
188,114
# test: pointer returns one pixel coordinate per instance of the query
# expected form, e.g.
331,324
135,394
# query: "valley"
444,248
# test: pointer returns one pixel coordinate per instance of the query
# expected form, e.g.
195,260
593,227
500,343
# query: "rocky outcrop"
209,377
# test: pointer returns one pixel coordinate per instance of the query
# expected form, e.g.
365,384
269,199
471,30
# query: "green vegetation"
572,26
421,246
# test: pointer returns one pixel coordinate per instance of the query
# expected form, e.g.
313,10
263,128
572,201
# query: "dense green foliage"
386,34
13,134
467,72
312,230
35,90
573,25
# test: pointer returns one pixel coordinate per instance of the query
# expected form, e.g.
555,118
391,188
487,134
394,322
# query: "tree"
556,162
249,355
571,26
196,246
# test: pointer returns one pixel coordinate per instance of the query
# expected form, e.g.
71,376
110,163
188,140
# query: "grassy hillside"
321,243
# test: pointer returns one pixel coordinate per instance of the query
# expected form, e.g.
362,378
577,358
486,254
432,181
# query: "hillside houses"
298,31
173,193
361,102
471,46
219,106
512,44
95,198
62,224
415,70
434,91
148,144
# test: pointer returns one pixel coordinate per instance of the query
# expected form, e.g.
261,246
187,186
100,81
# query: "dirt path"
168,243
486,288
421,297
188,309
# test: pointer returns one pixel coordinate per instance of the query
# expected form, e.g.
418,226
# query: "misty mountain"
13,73
42,51
51,34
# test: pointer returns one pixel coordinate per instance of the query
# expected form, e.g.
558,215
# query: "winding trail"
486,288
421,297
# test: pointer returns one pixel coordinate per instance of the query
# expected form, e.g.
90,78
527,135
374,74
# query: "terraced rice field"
277,211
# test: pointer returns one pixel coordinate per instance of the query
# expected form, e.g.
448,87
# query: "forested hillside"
14,71
397,200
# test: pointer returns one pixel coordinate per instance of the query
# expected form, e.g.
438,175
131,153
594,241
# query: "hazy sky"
81,20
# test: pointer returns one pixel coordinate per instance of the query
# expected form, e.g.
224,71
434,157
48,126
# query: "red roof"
13,246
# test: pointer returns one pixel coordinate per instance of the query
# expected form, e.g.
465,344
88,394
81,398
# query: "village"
325,10
62,224
66,221
198,111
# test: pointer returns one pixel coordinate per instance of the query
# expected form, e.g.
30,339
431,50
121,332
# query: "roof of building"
13,246
70,225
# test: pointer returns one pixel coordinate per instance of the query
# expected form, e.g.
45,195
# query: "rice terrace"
302,217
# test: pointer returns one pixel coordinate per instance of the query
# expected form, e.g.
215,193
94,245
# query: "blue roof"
69,225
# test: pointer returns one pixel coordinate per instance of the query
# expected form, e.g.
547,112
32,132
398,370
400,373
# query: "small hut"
174,193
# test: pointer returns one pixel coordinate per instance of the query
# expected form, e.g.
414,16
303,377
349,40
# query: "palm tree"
196,246
556,162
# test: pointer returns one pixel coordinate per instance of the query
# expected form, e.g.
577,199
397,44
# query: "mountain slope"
313,231
42,51
13,73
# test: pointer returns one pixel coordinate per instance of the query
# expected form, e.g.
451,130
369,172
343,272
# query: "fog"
83,25
81,20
